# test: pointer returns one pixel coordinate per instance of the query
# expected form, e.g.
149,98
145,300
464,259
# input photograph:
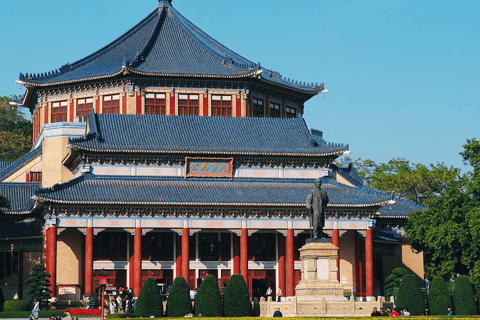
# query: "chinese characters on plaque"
208,167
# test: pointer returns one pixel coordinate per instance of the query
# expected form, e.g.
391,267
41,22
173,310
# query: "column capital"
186,223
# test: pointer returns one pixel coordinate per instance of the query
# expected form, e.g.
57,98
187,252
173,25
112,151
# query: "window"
110,246
157,246
221,106
111,104
84,107
257,108
59,111
155,103
34,177
290,112
188,104
214,246
9,263
274,110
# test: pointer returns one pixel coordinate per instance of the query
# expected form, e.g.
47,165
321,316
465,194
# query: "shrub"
149,302
120,315
38,285
179,303
410,295
464,297
208,301
14,305
438,297
236,298
392,282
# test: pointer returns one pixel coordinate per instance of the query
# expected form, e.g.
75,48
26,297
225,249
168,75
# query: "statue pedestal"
319,272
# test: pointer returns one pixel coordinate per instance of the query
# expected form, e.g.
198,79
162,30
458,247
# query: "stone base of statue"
319,272
319,293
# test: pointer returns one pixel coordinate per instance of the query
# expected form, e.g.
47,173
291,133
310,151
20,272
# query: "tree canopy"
15,132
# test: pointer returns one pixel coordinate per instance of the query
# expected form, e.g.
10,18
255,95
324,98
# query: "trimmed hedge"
392,282
410,295
120,315
178,302
25,314
149,302
14,306
464,297
438,297
236,299
208,301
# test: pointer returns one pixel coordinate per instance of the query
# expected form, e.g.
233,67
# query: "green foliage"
4,203
464,297
236,299
120,315
38,285
149,302
208,301
449,231
14,305
438,297
25,314
179,303
15,131
392,282
410,295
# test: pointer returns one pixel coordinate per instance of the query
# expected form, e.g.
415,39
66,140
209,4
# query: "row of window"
9,263
156,103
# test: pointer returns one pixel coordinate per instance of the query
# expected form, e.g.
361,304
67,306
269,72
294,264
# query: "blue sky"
403,76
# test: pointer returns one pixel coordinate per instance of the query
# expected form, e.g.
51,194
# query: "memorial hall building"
167,154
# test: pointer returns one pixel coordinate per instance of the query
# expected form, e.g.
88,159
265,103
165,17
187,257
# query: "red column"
281,264
172,104
131,262
290,263
178,262
52,256
236,254
124,103
139,103
335,242
205,104
369,262
239,107
71,110
20,274
45,113
137,252
89,260
244,252
359,266
185,251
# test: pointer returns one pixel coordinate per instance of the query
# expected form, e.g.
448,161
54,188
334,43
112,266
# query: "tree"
392,282
38,285
438,297
178,302
15,132
4,203
464,297
149,302
236,299
448,232
410,295
208,301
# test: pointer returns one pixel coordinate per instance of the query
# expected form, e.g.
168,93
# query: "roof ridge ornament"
165,3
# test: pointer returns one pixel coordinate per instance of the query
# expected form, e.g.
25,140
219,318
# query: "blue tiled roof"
29,228
208,135
165,43
400,209
349,173
89,189
5,164
7,172
20,196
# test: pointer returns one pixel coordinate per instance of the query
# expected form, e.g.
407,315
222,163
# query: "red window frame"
84,107
275,110
59,111
257,108
111,104
34,177
188,104
290,112
221,105
155,103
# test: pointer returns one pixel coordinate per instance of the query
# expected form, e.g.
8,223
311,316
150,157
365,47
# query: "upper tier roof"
165,43
203,135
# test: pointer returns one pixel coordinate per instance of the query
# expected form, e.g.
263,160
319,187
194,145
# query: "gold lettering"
193,167
223,167
204,166
214,166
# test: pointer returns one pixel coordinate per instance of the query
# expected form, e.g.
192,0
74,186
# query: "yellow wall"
347,257
54,150
69,257
20,175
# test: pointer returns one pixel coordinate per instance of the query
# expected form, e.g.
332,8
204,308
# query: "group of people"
397,312
123,302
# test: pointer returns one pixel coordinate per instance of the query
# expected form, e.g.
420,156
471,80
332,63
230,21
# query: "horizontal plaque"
209,167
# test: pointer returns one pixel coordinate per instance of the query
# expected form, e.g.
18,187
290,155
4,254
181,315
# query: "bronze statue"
317,201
